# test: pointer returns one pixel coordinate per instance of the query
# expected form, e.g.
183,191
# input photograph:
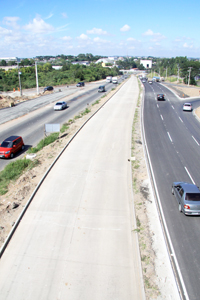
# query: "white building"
146,63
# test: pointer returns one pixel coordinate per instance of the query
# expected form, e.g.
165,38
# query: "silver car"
60,105
188,197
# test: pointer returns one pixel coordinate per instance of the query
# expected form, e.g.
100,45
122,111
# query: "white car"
187,107
60,105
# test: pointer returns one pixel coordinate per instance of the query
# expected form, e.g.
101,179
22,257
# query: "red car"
10,146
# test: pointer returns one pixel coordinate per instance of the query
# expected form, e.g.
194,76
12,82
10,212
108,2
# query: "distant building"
85,63
146,63
7,59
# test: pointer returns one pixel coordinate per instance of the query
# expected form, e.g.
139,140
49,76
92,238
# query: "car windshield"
6,144
59,103
192,196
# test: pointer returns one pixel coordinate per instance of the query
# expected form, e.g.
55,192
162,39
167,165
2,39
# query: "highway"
173,141
76,239
27,119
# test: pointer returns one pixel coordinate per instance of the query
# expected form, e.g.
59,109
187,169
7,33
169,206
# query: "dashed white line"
172,107
169,136
161,117
195,140
189,175
180,119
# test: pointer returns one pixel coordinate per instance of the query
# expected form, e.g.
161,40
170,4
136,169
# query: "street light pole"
189,75
36,75
19,73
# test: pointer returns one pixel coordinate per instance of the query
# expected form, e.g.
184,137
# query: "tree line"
68,74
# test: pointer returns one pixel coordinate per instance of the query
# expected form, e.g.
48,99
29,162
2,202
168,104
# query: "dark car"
101,88
10,146
48,88
80,84
188,197
160,97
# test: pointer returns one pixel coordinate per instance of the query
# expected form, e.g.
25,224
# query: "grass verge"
13,170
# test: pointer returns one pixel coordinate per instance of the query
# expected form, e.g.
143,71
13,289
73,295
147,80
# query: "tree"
3,63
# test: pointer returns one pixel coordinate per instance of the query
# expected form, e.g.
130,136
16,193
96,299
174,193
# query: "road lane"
76,240
173,151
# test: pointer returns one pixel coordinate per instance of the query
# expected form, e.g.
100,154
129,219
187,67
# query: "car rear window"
192,196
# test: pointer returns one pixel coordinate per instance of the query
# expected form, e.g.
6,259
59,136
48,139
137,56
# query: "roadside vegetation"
15,169
47,75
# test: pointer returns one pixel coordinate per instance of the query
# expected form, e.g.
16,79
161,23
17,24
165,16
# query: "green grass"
97,102
46,141
13,170
64,128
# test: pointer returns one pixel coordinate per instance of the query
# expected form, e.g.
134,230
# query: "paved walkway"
76,240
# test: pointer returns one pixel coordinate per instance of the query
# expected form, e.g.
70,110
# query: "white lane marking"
161,117
169,136
189,175
157,106
180,119
195,140
172,107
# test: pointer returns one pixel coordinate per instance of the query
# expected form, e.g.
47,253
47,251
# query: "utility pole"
178,73
19,73
166,72
36,75
189,75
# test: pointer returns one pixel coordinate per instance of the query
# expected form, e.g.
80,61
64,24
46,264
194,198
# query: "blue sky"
101,27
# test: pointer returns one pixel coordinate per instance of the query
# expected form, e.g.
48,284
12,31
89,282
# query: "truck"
114,80
109,79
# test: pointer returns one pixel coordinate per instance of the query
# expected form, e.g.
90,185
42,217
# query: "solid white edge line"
189,175
163,218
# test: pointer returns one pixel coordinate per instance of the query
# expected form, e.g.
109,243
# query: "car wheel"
11,155
179,207
23,147
172,191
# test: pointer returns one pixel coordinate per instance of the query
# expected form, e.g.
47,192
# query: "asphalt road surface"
173,141
28,118
76,240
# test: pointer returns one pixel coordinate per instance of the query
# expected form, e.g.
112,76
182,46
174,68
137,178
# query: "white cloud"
148,32
98,40
49,16
66,38
11,22
125,28
155,36
131,39
38,25
185,45
83,37
4,31
98,31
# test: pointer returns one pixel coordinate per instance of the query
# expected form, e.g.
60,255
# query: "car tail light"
187,206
